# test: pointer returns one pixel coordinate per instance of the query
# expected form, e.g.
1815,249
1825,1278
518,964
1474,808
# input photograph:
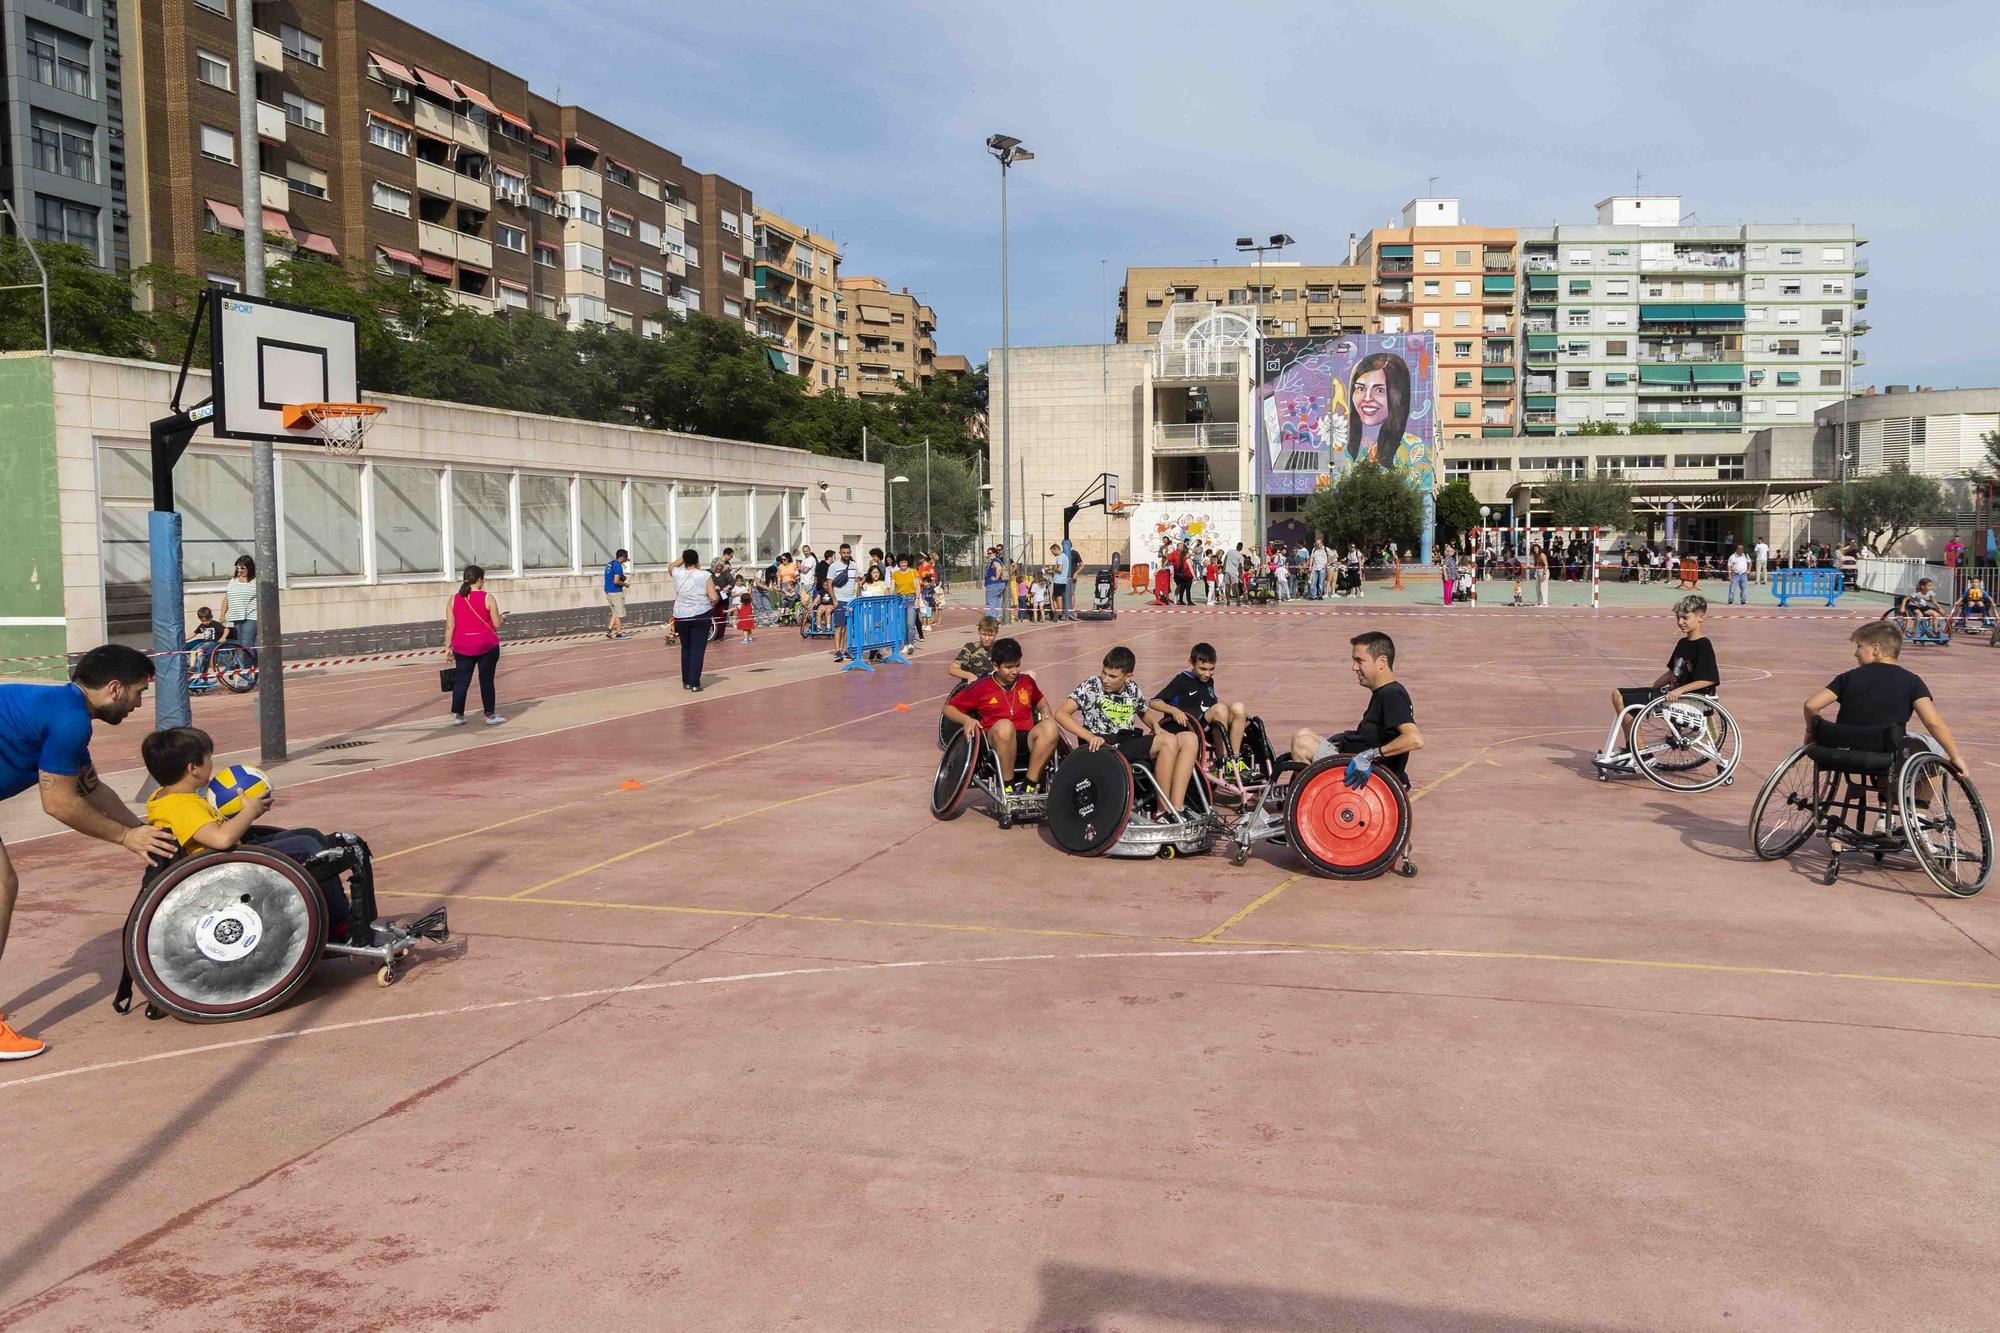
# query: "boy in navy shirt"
1190,699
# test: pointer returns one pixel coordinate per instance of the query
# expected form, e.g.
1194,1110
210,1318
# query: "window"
306,178
584,258
548,256
1579,286
1756,285
541,150
218,144
59,59
1791,287
1576,347
510,238
618,224
219,6
1833,318
1461,287
1576,319
1757,313
732,265
728,221
1461,408
652,280
1617,378
1616,347
213,70
481,503
1461,349
648,186
384,135
618,271
1788,319
732,307
601,502
649,234
1461,319
322,518
1618,319
583,207
409,519
1461,379
1577,259
1152,327
1617,286
654,328
545,306
1759,251
1784,347
1829,379
1789,255
1833,287
1430,319
1619,408
510,184
1576,379
1833,254
1830,347
1462,257
1430,287
1786,407
1431,258
305,113
513,297
1753,407
300,45
61,222
1618,252
618,175
64,146
391,200
1754,344
1291,326
544,522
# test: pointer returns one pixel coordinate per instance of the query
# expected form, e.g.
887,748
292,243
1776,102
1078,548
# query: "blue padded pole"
170,691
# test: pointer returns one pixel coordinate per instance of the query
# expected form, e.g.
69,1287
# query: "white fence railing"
1180,364
1897,576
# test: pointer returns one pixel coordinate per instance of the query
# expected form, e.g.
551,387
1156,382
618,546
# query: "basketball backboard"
265,355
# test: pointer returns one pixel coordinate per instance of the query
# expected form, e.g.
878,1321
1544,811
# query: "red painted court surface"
761,1045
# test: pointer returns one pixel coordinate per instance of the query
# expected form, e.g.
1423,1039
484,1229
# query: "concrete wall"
90,406
33,570
1076,412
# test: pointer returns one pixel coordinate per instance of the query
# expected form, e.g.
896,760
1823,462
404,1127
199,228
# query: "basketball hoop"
339,427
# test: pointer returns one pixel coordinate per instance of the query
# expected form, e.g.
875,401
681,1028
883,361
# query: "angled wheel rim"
1951,836
1787,809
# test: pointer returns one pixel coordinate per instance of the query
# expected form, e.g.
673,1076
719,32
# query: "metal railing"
1727,261
1198,364
1676,358
1690,417
1397,266
1537,264
1190,437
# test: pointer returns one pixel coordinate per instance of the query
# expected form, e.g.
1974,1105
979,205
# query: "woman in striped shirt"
240,606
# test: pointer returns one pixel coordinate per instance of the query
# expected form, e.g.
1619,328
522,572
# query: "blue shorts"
840,615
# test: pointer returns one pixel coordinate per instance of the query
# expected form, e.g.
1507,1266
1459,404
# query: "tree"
1882,510
1594,427
1457,510
90,310
1588,502
1370,504
1988,468
1644,427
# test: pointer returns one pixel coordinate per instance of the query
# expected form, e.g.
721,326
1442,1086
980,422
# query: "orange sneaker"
14,1046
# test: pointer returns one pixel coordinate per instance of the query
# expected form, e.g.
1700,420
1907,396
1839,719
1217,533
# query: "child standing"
746,617
1038,596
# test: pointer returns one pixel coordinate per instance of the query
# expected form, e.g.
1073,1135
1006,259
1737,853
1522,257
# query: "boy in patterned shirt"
1111,708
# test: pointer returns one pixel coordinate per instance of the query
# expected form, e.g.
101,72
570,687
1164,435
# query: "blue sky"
1163,131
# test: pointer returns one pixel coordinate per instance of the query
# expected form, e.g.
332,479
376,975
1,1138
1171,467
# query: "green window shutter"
1788,377
1541,342
1461,379
1461,409
1718,374
1395,251
1664,375
1497,374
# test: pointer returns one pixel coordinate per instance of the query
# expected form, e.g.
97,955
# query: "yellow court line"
1216,935
1437,782
689,833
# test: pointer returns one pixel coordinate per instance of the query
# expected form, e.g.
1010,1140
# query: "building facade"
798,299
884,338
1644,318
1293,299
1436,274
381,145
62,109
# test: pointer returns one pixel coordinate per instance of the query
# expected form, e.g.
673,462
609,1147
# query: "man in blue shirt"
614,594
45,742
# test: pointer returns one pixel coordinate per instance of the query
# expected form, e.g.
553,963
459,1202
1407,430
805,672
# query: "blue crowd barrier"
1807,583
877,623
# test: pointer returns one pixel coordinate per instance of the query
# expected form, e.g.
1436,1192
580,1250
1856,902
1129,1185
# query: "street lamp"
893,481
1485,538
1044,526
1247,244
1006,150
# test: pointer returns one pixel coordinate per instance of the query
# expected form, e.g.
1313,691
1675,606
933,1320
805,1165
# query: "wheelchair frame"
1661,764
1010,807
1839,804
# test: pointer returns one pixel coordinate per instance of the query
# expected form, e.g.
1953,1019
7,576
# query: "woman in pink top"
472,633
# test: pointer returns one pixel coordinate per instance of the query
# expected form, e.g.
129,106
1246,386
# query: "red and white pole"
1593,568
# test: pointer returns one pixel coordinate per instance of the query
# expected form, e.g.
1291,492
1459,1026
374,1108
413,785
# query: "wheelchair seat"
1867,751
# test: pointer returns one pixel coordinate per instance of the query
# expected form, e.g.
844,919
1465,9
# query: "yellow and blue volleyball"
233,782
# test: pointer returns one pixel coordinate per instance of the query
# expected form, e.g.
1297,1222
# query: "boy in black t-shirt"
1691,669
1190,698
1880,693
1388,732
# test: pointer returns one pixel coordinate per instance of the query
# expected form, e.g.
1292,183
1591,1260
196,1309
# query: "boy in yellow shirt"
182,760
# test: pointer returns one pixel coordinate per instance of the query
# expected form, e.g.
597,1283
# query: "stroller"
1348,581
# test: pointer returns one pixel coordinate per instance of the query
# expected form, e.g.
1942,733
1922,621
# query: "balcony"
475,250
1538,384
1539,264
1196,437
268,50
271,123
1541,357
1397,266
1688,261
1498,359
473,301
1538,417
1221,364
467,133
674,215
576,282
1538,325
436,240
1707,356
473,192
436,180
1860,267
676,265
1395,296
1692,417
431,117
276,192
1860,293
1498,262
583,180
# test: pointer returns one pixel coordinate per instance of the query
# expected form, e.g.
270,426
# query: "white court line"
635,988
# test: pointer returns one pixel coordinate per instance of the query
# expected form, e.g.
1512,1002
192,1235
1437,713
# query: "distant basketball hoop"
339,427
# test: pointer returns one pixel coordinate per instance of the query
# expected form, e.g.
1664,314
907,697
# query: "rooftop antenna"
1434,186
1638,182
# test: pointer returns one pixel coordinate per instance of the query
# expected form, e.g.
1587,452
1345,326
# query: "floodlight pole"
1259,519
1006,150
48,337
263,458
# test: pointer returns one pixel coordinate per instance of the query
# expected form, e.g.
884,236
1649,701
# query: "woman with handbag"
472,635
695,599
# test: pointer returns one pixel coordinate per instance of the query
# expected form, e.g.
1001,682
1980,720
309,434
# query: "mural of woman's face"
1371,397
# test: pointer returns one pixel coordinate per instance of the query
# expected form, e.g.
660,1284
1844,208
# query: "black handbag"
447,679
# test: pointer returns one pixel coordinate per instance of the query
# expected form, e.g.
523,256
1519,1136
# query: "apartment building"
884,338
953,367
1437,274
1295,299
1646,317
62,152
798,299
382,145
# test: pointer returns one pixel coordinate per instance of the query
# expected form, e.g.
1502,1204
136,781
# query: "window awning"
436,268
477,98
545,139
778,361
435,138
319,245
390,120
514,286
622,166
1664,375
1396,251
394,69
436,83
1692,311
616,214
875,314
517,122
585,144
400,256
1725,373
277,224
546,194
229,215
475,270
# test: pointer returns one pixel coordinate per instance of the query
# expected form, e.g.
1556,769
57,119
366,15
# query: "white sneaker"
458,719
494,719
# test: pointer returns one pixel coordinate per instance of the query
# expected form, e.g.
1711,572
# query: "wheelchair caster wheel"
1878,858
1239,856
1729,781
1407,869
1829,875
1168,852
385,976
1006,821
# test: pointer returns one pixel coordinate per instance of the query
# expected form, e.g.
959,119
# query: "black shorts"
1136,746
1628,695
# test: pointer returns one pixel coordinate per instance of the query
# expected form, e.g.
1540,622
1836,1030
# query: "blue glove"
1359,767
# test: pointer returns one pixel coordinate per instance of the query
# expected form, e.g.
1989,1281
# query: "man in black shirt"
1691,669
1388,732
1880,693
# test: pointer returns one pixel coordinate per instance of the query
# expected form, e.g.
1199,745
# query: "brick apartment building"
382,145
885,338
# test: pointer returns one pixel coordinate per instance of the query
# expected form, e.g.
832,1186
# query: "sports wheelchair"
1341,832
1921,628
234,934
1100,803
1875,790
969,763
1686,744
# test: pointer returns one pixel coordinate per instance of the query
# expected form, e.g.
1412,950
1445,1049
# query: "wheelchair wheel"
225,936
954,775
233,668
1090,801
1787,809
1948,830
1687,744
1343,833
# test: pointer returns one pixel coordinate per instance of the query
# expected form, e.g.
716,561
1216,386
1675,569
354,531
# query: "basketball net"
339,427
